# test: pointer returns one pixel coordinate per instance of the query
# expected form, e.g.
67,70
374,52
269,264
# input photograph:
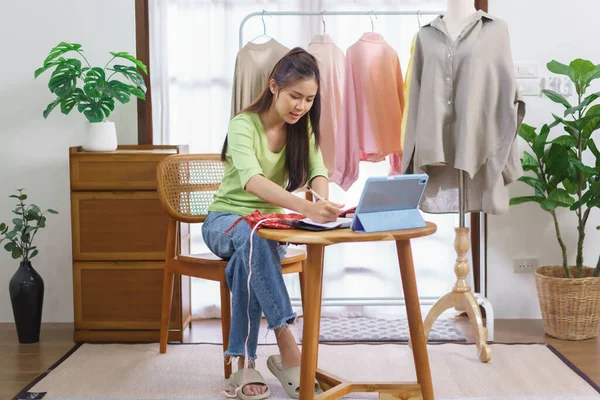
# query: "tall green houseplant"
562,177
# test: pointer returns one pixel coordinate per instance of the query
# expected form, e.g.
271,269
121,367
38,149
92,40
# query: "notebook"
310,225
390,203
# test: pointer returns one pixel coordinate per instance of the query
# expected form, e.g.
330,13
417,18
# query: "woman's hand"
323,211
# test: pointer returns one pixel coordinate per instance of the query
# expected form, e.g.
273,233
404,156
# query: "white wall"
540,30
34,151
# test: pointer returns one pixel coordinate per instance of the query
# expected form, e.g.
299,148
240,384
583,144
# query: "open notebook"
310,225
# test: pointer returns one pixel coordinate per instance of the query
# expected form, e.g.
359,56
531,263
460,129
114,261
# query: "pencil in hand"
316,194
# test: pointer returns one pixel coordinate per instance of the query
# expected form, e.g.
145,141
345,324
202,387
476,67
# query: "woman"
271,150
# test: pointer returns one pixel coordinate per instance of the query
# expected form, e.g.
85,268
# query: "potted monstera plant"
94,91
564,172
26,287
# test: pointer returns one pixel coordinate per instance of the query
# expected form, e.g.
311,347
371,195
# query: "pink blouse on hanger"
331,65
371,120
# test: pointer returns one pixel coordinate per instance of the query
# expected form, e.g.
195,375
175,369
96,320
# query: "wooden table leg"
313,276
415,323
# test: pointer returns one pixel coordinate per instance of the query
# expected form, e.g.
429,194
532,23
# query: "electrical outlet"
529,87
550,83
527,70
525,264
566,87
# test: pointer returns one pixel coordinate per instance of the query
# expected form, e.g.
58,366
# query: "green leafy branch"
20,237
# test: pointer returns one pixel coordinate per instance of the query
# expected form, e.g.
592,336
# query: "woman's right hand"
323,211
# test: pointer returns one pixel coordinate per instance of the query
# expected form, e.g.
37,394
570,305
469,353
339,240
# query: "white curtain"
193,48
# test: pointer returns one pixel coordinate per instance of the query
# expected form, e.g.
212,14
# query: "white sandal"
289,377
253,377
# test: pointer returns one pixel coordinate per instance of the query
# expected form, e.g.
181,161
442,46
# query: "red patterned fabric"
348,211
276,221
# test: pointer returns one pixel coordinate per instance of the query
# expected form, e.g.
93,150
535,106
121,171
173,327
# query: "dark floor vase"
27,297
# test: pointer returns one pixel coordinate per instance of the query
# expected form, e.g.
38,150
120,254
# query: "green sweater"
247,155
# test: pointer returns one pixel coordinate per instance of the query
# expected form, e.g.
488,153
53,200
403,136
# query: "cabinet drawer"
118,226
119,170
122,295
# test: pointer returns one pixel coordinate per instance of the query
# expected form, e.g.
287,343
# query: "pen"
316,194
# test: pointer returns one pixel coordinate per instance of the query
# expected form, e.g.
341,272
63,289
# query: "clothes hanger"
371,18
419,18
323,20
264,34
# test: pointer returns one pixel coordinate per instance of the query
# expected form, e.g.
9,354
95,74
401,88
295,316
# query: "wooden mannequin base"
464,301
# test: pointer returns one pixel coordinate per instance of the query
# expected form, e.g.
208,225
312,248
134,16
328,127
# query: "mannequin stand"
461,297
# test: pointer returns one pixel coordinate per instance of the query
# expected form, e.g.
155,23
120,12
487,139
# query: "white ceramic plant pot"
100,136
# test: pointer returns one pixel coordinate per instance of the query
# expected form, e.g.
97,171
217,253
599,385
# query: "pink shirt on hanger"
331,66
371,120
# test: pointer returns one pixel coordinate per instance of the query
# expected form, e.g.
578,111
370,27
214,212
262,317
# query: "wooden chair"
186,185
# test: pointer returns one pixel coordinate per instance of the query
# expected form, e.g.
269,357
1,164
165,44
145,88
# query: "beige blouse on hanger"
253,65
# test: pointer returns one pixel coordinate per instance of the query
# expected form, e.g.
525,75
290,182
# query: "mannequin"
448,55
458,14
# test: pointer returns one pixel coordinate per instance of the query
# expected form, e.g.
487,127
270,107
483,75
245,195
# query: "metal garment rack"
461,288
324,12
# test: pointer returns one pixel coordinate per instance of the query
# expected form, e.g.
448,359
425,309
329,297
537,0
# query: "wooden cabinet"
119,232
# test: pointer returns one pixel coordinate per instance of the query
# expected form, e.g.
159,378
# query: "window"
193,48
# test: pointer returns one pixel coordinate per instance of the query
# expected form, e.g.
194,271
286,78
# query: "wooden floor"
22,363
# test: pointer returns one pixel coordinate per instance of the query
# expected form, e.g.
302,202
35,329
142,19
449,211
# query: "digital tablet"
390,203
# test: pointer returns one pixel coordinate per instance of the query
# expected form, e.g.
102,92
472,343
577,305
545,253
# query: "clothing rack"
461,297
324,12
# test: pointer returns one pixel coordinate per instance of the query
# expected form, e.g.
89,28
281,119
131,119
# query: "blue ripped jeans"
268,293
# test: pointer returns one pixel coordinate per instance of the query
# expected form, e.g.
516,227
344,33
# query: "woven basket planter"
570,306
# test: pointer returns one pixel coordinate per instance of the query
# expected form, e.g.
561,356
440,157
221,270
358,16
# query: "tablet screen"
392,193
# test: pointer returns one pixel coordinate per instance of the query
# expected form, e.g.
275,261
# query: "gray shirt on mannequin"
464,114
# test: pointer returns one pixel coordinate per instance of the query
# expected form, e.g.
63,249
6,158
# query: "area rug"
195,371
365,329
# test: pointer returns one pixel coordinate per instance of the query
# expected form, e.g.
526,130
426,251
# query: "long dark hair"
296,65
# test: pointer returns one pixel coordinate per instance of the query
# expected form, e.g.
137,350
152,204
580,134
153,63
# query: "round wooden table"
313,279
